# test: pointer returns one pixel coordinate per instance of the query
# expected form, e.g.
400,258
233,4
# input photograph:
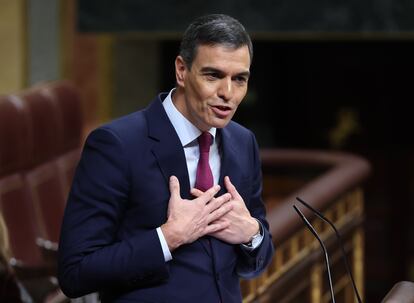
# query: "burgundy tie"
204,176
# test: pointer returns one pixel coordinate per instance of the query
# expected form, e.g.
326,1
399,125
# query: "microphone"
338,236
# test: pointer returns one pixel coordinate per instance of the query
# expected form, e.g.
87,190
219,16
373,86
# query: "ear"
180,71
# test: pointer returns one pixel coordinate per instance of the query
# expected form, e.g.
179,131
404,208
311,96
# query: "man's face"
214,86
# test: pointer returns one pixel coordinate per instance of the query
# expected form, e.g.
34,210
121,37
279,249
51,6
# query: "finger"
174,187
218,202
196,192
220,220
232,189
216,226
219,212
208,194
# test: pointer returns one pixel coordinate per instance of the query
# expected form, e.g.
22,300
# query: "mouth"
221,111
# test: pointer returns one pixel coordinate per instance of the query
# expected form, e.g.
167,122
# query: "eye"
212,76
241,80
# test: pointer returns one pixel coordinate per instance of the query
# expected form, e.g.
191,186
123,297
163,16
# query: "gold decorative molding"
13,45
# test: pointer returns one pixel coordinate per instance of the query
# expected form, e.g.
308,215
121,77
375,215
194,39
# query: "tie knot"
204,141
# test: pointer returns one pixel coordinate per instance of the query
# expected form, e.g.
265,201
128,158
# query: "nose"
225,90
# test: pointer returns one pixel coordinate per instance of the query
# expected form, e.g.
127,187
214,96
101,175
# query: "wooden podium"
402,292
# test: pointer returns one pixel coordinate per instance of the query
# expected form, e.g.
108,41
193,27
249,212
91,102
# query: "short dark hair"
214,29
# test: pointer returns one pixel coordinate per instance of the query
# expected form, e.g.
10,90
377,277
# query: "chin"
220,124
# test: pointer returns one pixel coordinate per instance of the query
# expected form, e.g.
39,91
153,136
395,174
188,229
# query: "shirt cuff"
164,245
258,240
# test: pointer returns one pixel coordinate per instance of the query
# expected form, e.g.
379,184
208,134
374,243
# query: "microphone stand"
307,223
348,269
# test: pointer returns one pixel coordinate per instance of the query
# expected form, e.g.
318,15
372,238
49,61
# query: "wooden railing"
330,182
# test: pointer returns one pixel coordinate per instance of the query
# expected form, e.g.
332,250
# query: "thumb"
174,187
232,189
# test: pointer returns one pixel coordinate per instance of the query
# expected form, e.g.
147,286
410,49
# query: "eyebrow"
209,69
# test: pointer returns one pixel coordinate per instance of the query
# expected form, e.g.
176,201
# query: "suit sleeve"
90,256
253,263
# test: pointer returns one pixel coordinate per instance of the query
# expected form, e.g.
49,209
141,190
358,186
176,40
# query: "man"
165,205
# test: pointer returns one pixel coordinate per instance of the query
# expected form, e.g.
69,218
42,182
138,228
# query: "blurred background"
326,75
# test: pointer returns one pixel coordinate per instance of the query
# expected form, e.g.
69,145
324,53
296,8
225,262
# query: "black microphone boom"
348,269
307,223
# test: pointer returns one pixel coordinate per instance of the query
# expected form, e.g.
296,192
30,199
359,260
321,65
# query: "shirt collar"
186,131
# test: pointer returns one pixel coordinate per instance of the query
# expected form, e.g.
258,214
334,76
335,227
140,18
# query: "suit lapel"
230,165
167,147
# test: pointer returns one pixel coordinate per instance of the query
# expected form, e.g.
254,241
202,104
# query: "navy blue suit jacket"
120,196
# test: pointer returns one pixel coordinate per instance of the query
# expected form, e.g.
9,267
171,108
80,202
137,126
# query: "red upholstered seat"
42,176
44,124
46,191
68,101
15,145
67,164
40,138
15,201
18,214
